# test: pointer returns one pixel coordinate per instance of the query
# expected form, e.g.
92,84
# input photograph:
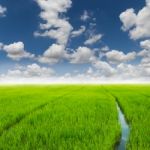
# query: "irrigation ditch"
125,129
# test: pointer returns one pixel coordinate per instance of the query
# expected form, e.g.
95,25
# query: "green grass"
16,102
83,118
135,103
72,117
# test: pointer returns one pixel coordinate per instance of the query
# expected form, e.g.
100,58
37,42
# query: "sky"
91,41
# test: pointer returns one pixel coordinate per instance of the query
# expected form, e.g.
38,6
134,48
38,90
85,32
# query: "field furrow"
24,103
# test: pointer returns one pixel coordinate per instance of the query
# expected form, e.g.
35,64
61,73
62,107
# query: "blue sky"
91,36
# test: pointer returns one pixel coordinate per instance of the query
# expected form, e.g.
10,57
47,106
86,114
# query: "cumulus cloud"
122,72
85,16
128,18
93,39
2,11
145,44
30,71
78,32
145,54
82,55
16,51
127,71
55,26
105,69
137,24
100,72
53,54
116,57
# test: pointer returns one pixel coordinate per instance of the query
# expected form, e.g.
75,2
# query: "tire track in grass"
23,116
121,144
20,118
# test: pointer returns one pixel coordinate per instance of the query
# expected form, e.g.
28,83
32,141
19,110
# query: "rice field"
135,103
73,117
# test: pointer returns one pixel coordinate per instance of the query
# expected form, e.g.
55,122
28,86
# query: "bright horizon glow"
53,81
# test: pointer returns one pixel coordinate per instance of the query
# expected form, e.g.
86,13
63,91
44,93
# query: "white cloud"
16,51
53,54
145,44
36,70
145,53
105,49
105,69
127,71
128,18
137,24
55,26
148,2
30,71
146,62
117,57
82,55
78,32
85,16
100,72
2,11
93,39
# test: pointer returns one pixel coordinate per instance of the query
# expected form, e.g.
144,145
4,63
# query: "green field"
135,103
73,117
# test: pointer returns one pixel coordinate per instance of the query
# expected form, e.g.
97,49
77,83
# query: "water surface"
124,130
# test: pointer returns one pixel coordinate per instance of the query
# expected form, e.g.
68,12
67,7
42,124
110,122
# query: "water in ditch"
124,130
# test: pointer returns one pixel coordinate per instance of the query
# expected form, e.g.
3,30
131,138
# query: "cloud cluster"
16,51
53,54
82,55
145,54
2,11
138,24
55,26
116,57
104,64
104,69
29,71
